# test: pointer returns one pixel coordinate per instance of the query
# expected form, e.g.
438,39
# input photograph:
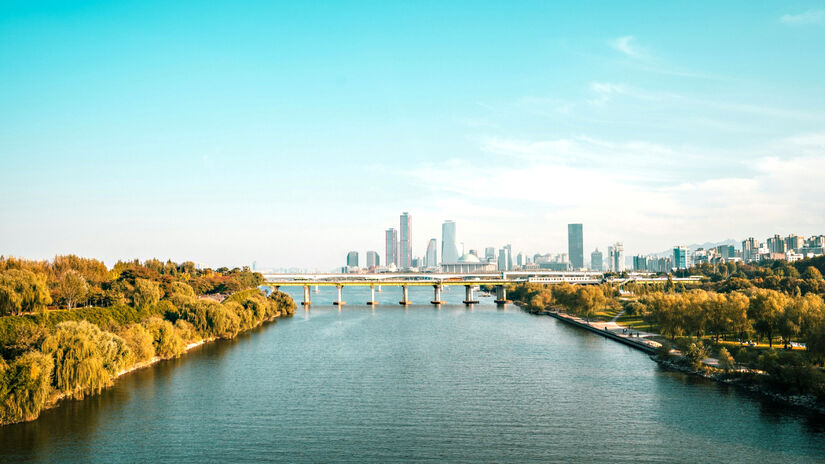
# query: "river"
415,384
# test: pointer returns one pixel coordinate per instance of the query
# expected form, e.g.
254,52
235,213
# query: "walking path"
631,337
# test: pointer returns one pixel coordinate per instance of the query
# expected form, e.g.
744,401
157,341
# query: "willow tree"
22,291
24,387
86,359
147,293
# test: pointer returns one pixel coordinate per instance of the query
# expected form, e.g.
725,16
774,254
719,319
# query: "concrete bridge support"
501,295
307,301
372,301
405,299
437,295
468,295
340,301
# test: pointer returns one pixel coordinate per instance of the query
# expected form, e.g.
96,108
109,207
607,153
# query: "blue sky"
292,132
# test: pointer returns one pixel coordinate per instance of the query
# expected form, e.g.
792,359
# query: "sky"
289,133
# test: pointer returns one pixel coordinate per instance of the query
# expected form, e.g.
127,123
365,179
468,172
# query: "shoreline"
807,403
56,400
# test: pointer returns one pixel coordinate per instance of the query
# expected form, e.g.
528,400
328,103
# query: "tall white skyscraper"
449,251
405,247
391,255
431,258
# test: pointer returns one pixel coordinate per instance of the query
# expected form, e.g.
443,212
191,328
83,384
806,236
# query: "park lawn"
637,323
606,314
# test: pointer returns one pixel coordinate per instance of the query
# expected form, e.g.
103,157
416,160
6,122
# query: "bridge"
437,280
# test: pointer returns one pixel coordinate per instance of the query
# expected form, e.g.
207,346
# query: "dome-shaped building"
468,263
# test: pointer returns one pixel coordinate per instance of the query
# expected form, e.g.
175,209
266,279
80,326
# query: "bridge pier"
372,301
405,300
437,296
340,301
307,301
501,295
468,295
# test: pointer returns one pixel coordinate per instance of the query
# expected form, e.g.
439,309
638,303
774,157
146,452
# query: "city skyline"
639,132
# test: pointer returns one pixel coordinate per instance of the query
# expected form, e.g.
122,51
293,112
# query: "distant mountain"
696,246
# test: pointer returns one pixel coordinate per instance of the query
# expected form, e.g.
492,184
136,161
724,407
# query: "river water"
415,384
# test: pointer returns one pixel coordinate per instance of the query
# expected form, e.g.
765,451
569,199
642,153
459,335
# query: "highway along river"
415,384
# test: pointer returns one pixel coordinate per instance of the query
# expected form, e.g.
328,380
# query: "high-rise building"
509,260
640,263
615,255
405,248
680,260
449,251
352,259
520,260
776,244
596,260
750,250
502,259
490,254
575,245
391,250
794,242
373,260
431,258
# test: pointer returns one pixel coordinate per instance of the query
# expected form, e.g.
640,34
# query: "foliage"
22,291
71,288
85,357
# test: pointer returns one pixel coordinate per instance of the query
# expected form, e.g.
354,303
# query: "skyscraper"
372,259
490,254
509,249
391,251
431,258
449,252
680,260
750,250
615,256
502,259
405,248
352,259
575,245
596,260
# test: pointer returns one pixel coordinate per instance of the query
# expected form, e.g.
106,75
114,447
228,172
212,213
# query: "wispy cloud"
627,45
808,17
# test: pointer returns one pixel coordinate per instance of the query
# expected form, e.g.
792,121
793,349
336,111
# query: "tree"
147,293
695,353
85,357
25,386
22,291
71,288
726,361
766,308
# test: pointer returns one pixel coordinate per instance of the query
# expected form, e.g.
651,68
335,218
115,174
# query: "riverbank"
55,400
643,342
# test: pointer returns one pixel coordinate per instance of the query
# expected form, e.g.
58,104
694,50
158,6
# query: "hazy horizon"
289,134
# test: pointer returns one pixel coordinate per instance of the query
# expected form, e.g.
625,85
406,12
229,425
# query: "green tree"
24,387
85,357
147,293
766,308
23,291
726,361
71,288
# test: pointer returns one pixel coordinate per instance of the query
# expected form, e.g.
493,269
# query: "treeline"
49,354
581,300
69,281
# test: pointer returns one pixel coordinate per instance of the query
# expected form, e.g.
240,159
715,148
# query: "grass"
637,323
